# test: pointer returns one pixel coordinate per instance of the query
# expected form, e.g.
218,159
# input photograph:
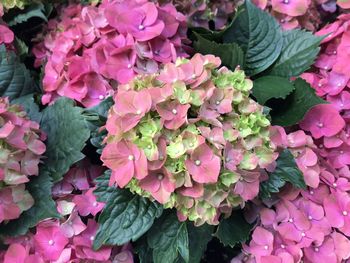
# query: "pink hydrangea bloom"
21,148
88,50
169,131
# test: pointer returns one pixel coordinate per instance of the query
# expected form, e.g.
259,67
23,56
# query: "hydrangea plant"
189,137
21,147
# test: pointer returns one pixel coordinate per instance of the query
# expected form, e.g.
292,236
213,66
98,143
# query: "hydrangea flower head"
89,50
21,147
189,137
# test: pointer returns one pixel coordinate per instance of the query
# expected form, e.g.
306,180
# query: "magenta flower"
50,241
142,22
83,244
203,165
160,184
337,208
322,120
341,101
173,114
339,157
86,203
261,243
126,161
6,35
322,253
16,253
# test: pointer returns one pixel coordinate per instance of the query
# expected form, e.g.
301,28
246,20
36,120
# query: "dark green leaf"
231,54
15,79
286,171
29,105
21,48
269,87
295,106
168,238
258,34
142,249
44,207
300,49
199,237
125,217
233,230
67,131
33,10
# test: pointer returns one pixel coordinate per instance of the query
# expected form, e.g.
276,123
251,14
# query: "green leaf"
125,217
269,87
258,34
233,230
291,110
15,79
230,53
33,10
67,131
21,48
44,207
29,105
168,238
300,49
142,249
199,237
286,171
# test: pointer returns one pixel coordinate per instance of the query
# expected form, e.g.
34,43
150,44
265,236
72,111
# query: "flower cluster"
90,50
310,225
189,137
200,12
70,238
314,225
20,149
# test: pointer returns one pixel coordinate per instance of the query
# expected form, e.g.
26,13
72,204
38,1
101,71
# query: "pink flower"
130,108
73,225
341,101
337,208
160,184
290,7
233,157
248,185
86,203
50,241
16,253
322,120
261,244
126,161
203,165
140,21
173,114
8,208
6,35
323,253
83,244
